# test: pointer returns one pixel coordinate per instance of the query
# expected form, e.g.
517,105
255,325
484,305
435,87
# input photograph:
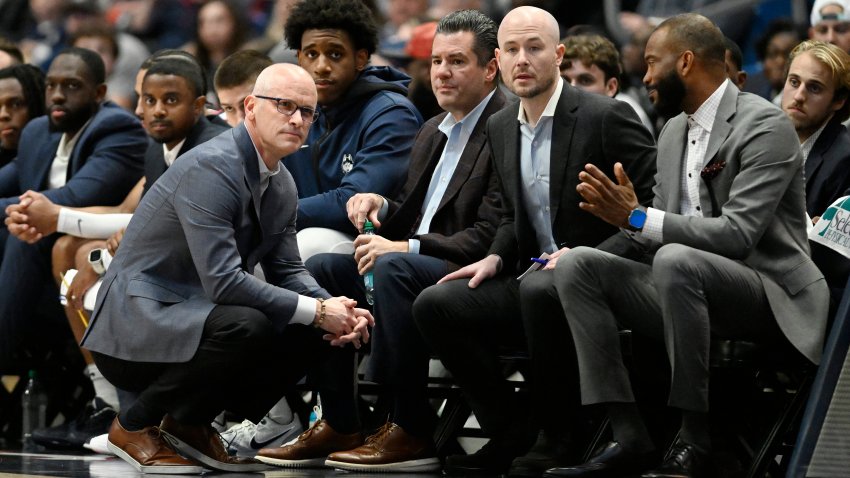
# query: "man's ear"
361,59
686,62
612,86
492,70
100,92
198,105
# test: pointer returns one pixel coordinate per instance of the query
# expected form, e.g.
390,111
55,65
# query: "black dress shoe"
685,461
549,451
494,458
613,459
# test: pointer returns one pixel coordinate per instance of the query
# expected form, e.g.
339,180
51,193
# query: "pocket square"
712,170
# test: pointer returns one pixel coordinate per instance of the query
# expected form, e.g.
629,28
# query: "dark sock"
695,430
628,427
340,411
139,416
412,413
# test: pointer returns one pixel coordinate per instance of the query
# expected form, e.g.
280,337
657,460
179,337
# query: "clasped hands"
367,248
344,322
33,218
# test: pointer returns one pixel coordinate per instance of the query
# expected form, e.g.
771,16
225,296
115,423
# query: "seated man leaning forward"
179,308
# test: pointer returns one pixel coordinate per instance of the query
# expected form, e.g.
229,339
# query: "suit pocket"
801,276
149,290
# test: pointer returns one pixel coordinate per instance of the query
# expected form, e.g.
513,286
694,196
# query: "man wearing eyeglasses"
181,320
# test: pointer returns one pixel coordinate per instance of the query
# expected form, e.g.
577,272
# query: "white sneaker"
98,443
246,438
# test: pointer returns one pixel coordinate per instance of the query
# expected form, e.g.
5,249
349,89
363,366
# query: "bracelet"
318,323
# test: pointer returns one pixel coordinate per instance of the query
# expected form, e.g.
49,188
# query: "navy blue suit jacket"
105,164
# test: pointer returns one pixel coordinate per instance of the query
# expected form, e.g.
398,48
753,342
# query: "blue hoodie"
360,145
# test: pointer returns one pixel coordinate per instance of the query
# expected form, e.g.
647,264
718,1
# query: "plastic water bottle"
368,279
34,403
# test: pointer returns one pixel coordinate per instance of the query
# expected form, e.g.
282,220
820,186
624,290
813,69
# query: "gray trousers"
686,296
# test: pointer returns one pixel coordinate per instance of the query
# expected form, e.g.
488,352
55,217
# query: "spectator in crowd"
475,310
592,63
830,22
444,217
160,24
173,99
221,30
772,49
21,100
418,52
815,100
362,139
402,17
83,153
721,253
735,64
10,55
101,39
234,81
273,34
199,314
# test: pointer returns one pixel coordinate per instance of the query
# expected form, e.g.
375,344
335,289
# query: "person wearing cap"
418,51
831,23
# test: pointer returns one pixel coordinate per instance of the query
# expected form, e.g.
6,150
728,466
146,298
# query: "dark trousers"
399,357
468,328
240,365
31,317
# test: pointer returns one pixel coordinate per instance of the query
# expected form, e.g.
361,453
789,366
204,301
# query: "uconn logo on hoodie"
347,163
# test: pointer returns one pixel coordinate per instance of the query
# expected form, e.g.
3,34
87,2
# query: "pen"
540,261
79,312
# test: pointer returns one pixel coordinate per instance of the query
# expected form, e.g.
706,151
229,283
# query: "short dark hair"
31,79
177,67
694,32
173,54
482,26
735,51
776,27
240,67
97,29
593,50
12,49
350,16
92,60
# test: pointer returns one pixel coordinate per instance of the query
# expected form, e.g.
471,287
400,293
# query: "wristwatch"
96,261
637,218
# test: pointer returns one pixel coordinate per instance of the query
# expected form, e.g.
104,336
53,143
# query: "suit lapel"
252,166
563,127
821,148
719,132
46,155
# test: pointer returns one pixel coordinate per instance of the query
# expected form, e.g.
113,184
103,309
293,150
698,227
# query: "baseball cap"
817,17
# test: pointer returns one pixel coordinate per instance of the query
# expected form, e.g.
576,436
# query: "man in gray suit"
722,252
180,318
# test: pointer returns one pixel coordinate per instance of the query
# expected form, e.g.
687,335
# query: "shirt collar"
807,145
171,155
549,111
66,144
704,115
469,121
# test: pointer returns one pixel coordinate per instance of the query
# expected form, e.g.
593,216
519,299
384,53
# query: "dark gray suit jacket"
587,128
828,168
192,244
754,210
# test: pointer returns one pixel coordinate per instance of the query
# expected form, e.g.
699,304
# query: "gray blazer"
754,209
192,244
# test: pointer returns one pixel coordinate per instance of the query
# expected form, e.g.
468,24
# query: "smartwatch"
637,218
96,261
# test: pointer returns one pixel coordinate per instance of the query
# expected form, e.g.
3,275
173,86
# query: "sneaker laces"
379,436
229,435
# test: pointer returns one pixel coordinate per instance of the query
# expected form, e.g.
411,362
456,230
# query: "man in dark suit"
722,252
83,153
538,149
445,217
815,98
179,309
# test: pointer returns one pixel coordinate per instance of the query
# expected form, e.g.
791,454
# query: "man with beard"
83,153
722,252
173,102
537,150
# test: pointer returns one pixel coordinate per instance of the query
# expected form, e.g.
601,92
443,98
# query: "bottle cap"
368,226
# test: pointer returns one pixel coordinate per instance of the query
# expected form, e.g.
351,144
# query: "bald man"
537,150
181,319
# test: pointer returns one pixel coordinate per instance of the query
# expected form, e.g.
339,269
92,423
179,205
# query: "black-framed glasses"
288,108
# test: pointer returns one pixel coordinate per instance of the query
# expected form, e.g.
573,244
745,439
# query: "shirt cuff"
413,246
654,227
385,207
305,311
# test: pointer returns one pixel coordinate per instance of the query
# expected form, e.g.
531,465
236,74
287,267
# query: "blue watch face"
637,218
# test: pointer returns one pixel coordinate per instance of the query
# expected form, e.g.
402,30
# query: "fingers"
598,175
622,177
551,264
461,273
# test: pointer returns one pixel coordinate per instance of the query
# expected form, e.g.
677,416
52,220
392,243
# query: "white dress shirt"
171,155
59,167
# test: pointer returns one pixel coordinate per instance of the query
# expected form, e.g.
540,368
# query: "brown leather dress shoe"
390,449
148,452
311,448
203,444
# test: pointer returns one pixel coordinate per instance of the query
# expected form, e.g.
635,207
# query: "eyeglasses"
288,108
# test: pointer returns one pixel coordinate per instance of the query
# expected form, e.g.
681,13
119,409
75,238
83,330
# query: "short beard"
73,121
669,95
533,92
